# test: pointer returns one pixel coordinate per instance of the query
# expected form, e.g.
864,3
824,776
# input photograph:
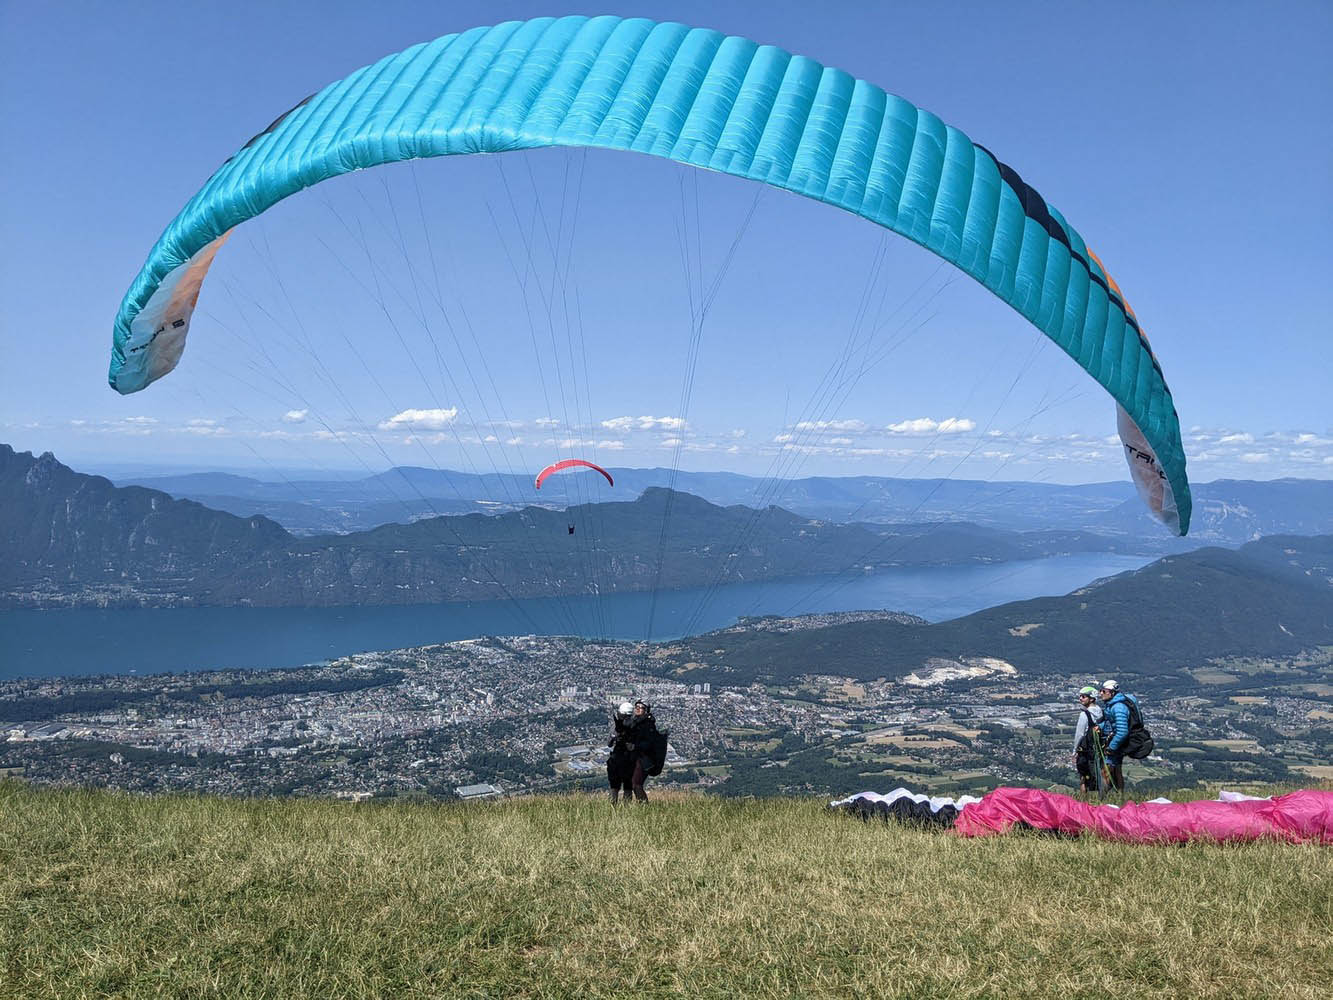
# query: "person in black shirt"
643,740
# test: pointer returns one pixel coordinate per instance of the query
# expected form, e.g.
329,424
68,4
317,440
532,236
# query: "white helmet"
625,709
1110,686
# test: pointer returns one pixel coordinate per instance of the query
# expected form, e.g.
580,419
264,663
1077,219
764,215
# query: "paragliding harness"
1091,737
656,752
1139,743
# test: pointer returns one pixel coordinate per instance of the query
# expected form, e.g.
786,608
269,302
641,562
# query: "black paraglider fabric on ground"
904,807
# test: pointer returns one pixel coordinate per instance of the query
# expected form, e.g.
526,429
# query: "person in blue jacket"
1115,729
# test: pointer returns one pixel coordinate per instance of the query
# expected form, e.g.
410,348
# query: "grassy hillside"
104,894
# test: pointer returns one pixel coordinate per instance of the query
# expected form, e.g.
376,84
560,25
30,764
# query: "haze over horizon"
129,469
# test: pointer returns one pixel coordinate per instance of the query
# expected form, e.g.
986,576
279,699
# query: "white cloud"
295,416
661,423
957,425
611,445
546,421
925,425
1254,457
831,425
1237,439
921,425
140,421
647,422
430,420
670,442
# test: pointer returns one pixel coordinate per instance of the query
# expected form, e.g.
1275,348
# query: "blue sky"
1191,143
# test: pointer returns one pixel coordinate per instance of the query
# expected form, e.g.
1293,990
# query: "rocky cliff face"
60,528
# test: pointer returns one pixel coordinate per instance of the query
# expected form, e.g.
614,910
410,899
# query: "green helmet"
1088,689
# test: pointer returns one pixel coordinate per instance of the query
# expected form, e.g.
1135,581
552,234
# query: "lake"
157,640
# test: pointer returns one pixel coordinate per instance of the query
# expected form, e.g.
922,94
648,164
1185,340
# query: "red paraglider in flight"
567,464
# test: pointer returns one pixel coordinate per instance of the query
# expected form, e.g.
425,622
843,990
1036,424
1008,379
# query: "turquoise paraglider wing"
702,98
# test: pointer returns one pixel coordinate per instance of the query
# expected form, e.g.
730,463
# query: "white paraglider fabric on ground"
936,802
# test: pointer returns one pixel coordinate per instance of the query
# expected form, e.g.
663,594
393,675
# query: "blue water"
91,641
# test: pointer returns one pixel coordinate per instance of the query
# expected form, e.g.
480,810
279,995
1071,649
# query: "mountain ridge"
68,539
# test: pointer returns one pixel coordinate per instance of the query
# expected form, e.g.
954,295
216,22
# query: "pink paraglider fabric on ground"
1305,816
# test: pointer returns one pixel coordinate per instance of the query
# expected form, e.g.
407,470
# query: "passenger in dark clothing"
641,736
620,762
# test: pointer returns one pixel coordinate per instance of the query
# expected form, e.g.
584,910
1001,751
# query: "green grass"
108,895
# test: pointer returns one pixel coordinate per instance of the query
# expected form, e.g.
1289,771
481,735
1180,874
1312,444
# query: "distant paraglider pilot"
620,762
